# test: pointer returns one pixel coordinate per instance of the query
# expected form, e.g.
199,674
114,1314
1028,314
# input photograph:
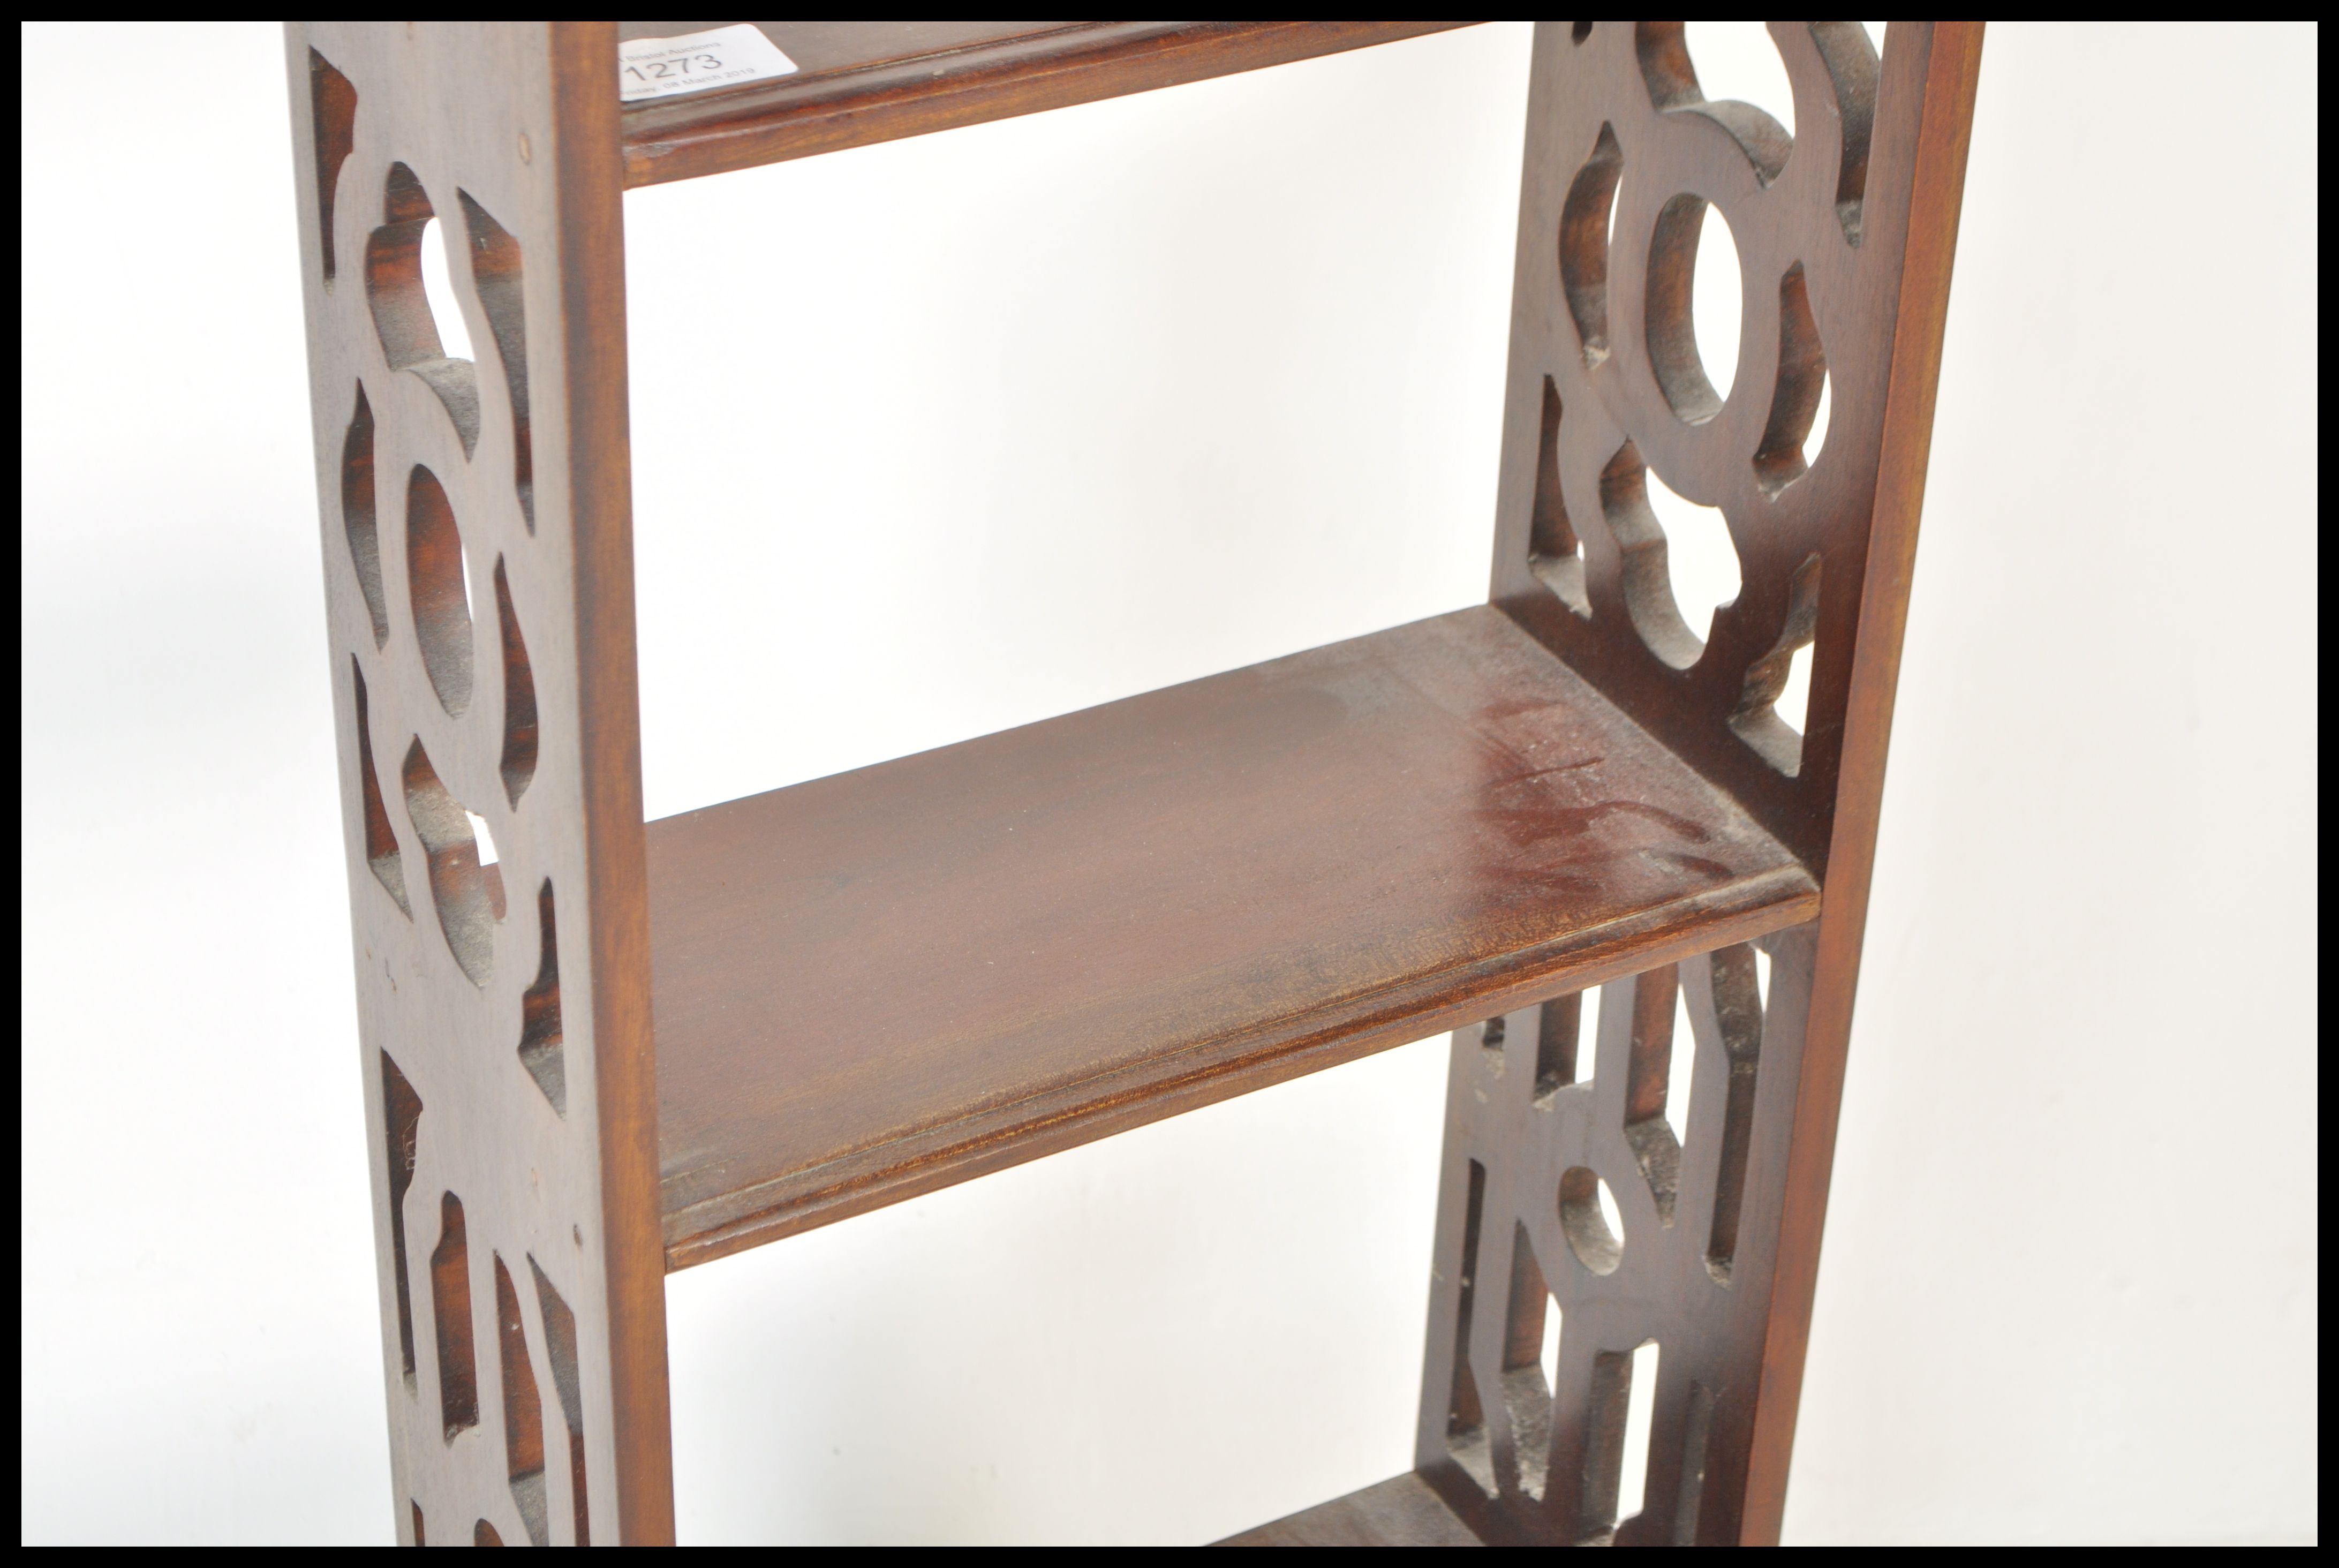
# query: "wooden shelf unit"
622,1048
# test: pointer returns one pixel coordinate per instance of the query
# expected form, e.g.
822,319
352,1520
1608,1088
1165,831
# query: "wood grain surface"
864,82
883,982
479,585
1844,231
1937,180
1402,1511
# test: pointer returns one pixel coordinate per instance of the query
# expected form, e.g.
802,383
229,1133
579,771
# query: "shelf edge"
1123,59
1005,1135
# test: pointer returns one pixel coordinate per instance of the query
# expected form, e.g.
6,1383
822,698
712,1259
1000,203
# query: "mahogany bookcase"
1564,816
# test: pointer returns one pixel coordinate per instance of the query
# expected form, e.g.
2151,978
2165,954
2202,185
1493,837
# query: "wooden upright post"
478,574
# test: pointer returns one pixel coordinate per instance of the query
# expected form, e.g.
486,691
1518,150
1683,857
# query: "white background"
946,435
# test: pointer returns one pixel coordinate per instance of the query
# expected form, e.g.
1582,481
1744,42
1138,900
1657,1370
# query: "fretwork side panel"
484,718
1626,160
1577,1227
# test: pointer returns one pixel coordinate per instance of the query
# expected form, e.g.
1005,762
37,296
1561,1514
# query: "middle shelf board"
887,980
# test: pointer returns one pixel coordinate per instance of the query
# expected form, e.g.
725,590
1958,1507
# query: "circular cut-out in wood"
1597,1246
1679,242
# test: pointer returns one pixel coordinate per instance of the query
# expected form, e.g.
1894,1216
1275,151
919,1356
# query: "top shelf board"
863,82
878,983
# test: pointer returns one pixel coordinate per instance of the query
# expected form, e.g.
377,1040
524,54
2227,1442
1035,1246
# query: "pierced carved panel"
1627,160
1609,1273
1614,1172
462,707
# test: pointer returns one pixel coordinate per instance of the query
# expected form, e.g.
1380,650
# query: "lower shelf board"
1400,1512
884,982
